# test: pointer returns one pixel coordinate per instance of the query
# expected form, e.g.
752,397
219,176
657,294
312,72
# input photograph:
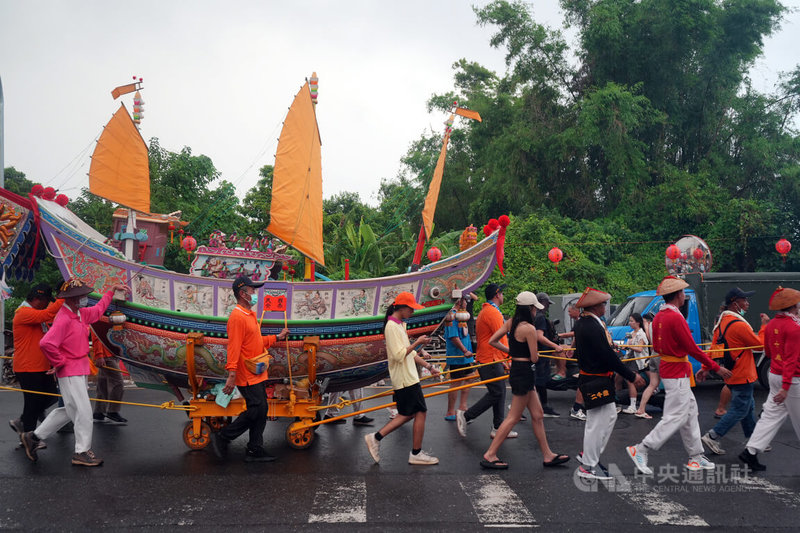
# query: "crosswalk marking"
660,510
340,499
495,503
782,494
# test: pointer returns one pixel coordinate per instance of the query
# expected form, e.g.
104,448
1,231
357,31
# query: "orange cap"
406,298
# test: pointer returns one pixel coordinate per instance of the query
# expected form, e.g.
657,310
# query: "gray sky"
219,77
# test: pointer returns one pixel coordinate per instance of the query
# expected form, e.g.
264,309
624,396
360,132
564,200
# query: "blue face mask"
254,299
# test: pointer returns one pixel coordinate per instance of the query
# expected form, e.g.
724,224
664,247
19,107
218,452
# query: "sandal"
643,415
497,464
559,459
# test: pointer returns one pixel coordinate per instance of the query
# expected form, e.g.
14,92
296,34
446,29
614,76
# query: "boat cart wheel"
218,422
299,438
197,443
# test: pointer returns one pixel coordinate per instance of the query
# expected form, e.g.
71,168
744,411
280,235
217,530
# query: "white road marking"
782,494
495,503
654,505
340,500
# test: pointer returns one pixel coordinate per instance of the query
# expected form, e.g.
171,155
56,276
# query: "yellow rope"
170,406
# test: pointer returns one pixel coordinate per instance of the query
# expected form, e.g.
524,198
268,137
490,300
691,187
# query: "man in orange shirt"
738,336
30,364
246,342
490,319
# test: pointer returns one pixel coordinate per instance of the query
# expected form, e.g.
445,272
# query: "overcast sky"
219,77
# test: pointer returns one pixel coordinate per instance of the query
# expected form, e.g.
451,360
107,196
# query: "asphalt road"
152,481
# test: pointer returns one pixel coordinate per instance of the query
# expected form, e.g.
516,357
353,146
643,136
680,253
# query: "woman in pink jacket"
66,345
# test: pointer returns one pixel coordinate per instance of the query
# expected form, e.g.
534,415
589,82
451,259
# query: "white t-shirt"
640,338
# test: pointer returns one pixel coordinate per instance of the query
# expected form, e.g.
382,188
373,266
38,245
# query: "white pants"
775,413
680,414
77,408
355,395
599,425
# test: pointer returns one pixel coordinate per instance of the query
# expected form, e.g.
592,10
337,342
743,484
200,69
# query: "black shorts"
522,377
461,371
410,400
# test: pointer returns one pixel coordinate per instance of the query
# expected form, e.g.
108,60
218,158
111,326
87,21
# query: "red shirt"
671,336
28,330
782,345
245,342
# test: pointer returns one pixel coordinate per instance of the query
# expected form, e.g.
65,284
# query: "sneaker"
511,434
578,415
115,417
639,459
751,460
363,421
259,455
339,421
549,412
99,417
712,444
422,458
700,462
373,446
630,410
219,445
579,457
619,409
461,423
593,473
30,443
392,412
16,425
87,458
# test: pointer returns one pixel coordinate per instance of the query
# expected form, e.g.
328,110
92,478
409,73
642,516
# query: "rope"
170,405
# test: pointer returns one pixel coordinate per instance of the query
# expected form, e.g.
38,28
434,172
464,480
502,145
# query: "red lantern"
189,244
555,255
434,254
783,247
673,252
698,253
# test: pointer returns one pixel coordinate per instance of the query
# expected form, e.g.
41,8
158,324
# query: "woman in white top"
651,366
637,342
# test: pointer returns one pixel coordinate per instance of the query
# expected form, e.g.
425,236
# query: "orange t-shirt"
245,342
29,327
489,320
740,334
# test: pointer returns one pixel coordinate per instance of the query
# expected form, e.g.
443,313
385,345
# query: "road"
151,481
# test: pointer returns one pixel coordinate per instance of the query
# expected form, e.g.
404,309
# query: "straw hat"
783,299
591,297
669,285
74,288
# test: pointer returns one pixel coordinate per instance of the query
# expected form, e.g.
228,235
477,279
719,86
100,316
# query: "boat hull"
165,306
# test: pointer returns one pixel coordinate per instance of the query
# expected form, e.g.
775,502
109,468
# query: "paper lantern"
783,247
434,254
189,244
673,252
698,253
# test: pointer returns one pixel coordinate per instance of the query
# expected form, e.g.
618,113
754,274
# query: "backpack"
727,361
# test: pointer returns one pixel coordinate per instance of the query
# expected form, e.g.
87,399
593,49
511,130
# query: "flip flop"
450,418
643,415
497,464
559,459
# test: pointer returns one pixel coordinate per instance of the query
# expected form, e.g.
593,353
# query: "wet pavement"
152,482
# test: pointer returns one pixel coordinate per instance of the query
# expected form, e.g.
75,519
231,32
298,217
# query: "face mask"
254,299
742,311
83,302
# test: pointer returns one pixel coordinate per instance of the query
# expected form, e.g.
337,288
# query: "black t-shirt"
540,322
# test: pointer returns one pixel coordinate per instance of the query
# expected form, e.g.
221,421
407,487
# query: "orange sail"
120,171
296,209
433,190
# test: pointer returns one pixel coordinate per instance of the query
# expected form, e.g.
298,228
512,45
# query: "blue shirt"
453,330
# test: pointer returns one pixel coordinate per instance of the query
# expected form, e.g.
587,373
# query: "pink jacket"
66,343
